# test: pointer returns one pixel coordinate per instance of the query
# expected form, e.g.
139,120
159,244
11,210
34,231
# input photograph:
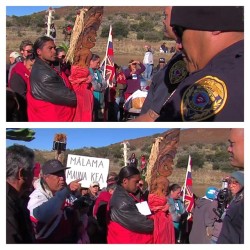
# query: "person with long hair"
127,224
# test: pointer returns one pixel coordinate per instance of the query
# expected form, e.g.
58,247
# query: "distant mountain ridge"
194,136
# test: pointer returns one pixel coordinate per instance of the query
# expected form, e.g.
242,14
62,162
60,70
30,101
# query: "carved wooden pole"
125,152
59,145
49,20
160,164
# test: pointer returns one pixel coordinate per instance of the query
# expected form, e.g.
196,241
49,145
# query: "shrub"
134,27
110,18
56,17
140,35
124,15
197,160
70,18
182,161
105,31
153,36
223,166
38,21
120,29
9,24
146,26
221,156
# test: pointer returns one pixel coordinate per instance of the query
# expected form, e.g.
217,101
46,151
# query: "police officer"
212,41
165,81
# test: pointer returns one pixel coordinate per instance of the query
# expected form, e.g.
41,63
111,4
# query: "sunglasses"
95,186
29,51
140,185
62,57
179,30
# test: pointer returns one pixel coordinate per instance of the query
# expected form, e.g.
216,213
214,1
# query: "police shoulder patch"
177,72
203,99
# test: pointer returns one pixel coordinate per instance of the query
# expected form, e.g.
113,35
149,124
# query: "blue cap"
211,193
238,176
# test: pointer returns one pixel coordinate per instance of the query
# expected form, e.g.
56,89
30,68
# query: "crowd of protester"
43,87
42,208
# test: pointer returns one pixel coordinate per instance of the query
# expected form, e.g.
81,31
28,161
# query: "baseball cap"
95,183
52,167
211,193
14,54
209,18
162,60
238,176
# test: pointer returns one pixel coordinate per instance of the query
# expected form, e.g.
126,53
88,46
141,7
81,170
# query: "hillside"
147,18
190,136
206,146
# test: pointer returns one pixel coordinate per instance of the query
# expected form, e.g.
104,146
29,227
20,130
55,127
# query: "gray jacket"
203,218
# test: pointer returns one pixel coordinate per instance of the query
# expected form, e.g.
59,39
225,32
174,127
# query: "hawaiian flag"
188,196
109,68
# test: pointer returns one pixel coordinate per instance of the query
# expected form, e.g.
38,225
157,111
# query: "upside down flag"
188,196
109,68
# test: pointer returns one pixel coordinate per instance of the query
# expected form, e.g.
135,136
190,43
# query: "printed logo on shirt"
177,72
204,99
134,76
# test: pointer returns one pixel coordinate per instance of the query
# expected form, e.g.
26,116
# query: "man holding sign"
51,207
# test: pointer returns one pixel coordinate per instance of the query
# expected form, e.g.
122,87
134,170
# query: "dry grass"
124,50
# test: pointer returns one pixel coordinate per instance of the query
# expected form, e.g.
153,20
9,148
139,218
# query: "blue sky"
85,137
25,10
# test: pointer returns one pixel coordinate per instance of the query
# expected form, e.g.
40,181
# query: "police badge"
204,99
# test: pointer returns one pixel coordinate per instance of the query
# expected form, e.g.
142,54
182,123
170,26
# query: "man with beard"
51,206
212,41
50,96
19,176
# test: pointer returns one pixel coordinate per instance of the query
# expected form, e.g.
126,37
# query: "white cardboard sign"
89,169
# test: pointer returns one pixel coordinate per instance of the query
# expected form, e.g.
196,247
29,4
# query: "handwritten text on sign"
89,169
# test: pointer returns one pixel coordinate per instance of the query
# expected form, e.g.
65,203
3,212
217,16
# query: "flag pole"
105,58
185,183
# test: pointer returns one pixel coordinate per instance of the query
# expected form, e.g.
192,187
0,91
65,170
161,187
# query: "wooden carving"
161,162
84,34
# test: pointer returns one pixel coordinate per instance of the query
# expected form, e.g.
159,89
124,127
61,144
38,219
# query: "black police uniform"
164,82
215,93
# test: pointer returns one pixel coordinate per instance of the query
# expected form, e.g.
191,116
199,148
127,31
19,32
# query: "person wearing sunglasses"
26,48
211,38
